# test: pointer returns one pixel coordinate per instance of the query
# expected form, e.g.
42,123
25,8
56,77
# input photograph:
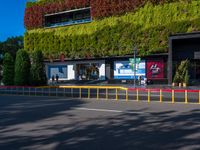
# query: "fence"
98,92
165,95
107,93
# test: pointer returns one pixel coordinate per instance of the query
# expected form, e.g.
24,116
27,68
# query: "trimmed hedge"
148,28
8,69
34,15
22,68
37,71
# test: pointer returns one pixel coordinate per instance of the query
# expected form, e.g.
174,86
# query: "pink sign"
155,69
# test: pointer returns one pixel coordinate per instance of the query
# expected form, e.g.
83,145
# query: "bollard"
97,93
199,96
137,94
106,93
56,91
42,91
161,95
29,91
149,96
49,92
127,95
173,97
186,97
117,98
72,92
88,93
80,92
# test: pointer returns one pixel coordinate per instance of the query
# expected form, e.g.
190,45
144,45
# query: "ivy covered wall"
148,28
35,12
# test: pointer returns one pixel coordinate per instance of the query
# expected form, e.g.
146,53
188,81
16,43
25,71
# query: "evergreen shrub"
37,71
22,68
8,69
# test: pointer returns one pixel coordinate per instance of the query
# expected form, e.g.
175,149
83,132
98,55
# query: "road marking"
101,110
109,110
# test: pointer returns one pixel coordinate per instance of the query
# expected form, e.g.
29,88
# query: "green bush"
148,28
8,69
181,75
186,78
37,72
22,68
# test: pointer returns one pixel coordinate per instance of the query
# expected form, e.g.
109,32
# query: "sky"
11,18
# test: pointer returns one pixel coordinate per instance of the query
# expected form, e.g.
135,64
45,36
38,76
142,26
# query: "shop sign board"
155,69
125,69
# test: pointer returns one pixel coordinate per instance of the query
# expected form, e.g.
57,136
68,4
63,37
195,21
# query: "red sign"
155,69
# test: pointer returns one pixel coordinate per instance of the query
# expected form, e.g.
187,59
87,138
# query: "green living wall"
148,28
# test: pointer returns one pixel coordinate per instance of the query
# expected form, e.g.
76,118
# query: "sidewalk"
152,86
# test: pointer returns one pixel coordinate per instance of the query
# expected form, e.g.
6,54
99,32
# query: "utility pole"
135,52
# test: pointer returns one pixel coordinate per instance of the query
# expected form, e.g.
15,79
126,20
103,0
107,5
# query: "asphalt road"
49,123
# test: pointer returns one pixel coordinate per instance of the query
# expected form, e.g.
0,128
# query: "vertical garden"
116,27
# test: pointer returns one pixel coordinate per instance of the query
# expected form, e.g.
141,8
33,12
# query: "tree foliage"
22,68
8,69
12,45
38,74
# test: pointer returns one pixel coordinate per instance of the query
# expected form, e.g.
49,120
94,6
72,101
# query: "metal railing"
98,92
165,95
108,93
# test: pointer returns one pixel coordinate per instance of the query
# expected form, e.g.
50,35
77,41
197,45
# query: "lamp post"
135,52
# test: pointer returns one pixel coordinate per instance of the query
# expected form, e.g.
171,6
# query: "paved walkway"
163,86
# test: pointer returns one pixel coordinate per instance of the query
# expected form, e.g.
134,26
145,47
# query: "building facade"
95,39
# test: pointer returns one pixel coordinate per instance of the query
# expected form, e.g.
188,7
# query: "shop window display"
88,71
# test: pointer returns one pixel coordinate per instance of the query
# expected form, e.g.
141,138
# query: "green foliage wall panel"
148,28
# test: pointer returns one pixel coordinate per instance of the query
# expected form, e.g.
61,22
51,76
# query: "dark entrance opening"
182,47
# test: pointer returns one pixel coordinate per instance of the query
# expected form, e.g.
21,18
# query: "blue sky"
12,17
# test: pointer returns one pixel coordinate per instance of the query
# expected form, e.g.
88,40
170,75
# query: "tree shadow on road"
167,130
19,110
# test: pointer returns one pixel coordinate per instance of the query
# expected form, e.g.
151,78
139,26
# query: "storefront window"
88,71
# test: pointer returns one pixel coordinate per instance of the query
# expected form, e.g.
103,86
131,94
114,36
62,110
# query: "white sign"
196,55
124,70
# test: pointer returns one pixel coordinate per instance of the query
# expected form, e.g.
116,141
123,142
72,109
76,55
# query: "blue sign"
124,70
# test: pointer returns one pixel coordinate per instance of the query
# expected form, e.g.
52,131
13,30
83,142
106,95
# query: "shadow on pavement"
125,131
18,110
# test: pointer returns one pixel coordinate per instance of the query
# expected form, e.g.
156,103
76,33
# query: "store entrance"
87,71
194,72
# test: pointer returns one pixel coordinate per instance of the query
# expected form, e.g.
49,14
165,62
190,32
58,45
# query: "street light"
135,52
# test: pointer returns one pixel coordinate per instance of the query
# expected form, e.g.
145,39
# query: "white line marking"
109,110
101,110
